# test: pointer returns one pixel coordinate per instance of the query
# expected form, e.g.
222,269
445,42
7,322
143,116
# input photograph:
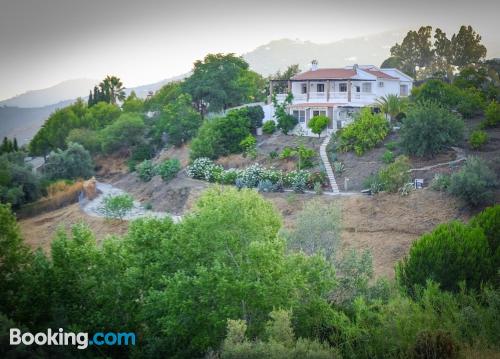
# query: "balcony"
333,97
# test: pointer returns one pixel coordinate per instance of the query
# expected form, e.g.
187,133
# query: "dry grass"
59,194
38,231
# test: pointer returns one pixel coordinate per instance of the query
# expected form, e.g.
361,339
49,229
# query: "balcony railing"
333,97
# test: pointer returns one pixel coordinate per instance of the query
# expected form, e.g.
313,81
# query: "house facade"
338,93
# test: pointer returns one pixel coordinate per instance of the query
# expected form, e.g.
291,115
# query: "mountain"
278,54
23,123
66,90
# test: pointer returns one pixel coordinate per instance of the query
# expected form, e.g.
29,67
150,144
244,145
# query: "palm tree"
113,89
392,105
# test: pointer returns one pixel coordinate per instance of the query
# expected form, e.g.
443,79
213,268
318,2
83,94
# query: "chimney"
314,65
355,67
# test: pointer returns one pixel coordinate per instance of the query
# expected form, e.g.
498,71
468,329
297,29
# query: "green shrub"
367,131
287,152
168,169
429,128
395,176
249,146
318,124
273,155
220,136
125,133
117,206
72,163
287,123
316,178
204,169
391,145
450,254
269,127
338,167
140,153
89,139
373,183
489,221
492,114
474,183
388,157
440,182
146,170
477,139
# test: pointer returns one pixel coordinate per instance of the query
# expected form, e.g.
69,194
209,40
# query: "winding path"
93,207
328,167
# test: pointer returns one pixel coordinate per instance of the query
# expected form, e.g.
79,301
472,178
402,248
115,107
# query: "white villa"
338,93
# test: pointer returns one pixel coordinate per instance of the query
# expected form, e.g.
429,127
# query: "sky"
44,42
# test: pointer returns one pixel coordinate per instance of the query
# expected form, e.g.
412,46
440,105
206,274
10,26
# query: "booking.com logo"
80,340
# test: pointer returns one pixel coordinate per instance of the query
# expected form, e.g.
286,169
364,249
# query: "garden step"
328,167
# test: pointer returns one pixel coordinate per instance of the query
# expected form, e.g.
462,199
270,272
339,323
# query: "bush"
252,175
395,176
229,176
297,180
89,139
434,344
492,114
125,133
249,146
316,178
269,127
318,124
367,131
204,169
146,170
477,139
75,162
139,153
440,182
373,183
18,184
287,123
117,206
388,157
168,169
391,145
489,221
467,102
474,183
450,254
255,115
220,136
429,129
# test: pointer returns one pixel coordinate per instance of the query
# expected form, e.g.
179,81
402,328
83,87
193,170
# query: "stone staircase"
328,167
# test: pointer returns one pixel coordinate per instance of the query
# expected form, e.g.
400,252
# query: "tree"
220,136
474,183
286,122
466,47
364,133
429,129
72,163
133,104
125,133
392,105
18,183
415,50
429,258
318,124
112,89
117,206
179,120
282,77
227,262
167,94
221,81
395,175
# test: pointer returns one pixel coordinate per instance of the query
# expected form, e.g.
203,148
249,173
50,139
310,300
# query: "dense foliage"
222,81
478,139
117,206
468,102
429,129
18,183
318,124
72,163
269,127
430,259
367,131
492,114
474,182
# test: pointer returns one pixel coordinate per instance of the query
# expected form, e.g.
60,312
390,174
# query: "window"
343,87
300,115
403,90
367,87
319,112
380,84
320,88
303,88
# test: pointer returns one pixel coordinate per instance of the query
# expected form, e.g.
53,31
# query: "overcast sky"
44,42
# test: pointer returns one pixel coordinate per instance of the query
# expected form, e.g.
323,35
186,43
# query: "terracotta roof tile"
325,74
381,74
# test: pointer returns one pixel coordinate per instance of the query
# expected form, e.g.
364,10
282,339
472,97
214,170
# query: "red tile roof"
325,74
330,74
381,74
